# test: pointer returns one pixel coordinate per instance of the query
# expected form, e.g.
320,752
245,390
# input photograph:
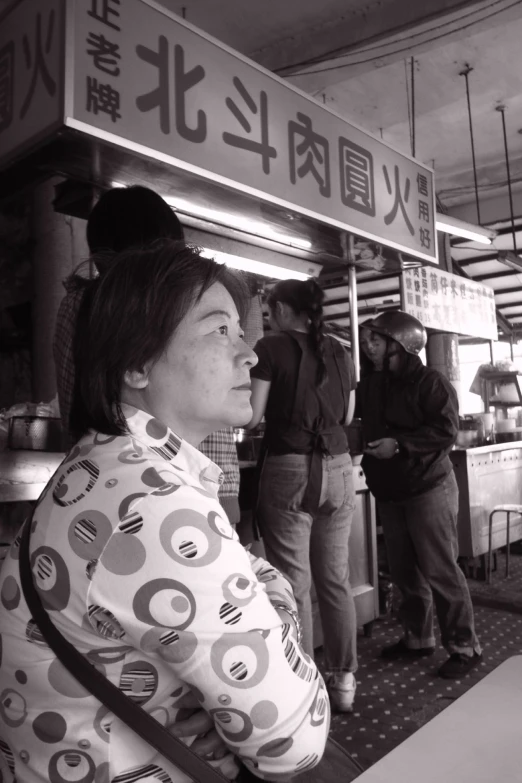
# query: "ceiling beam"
516,290
477,259
493,276
375,294
334,279
509,304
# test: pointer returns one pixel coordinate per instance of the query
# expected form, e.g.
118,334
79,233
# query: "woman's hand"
208,744
383,448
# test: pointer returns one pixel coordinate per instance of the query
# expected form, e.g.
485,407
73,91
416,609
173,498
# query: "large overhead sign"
31,74
449,303
141,78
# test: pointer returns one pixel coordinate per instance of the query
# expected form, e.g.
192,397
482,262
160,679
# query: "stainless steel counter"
487,476
24,474
491,447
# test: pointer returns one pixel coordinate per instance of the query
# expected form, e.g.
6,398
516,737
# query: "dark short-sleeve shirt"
279,360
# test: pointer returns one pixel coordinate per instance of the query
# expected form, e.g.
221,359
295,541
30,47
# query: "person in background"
410,422
304,385
121,218
127,217
136,561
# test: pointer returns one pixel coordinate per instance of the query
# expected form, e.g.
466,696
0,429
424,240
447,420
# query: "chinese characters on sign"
34,56
313,150
159,97
398,199
147,78
104,53
31,73
450,303
262,147
357,184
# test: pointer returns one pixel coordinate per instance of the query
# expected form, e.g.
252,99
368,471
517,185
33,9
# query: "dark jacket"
419,408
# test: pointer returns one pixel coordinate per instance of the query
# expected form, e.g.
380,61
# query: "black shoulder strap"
108,694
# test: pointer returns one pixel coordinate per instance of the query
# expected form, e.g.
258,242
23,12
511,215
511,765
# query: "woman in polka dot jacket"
136,562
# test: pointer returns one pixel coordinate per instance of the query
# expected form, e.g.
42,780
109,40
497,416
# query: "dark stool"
508,509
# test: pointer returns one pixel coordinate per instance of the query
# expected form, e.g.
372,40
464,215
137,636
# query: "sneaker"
458,665
401,650
341,688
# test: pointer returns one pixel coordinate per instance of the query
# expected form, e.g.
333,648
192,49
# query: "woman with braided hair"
304,386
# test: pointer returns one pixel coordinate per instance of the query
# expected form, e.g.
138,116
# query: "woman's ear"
136,379
281,309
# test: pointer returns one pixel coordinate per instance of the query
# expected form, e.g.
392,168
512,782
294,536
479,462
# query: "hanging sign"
144,78
140,78
31,74
449,303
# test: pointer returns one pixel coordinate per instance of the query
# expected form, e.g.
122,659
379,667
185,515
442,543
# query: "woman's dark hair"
127,317
124,217
305,297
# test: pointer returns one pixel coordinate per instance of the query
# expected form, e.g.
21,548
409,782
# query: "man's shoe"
458,665
393,652
341,687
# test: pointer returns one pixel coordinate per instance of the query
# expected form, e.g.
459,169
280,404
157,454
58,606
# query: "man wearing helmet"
410,422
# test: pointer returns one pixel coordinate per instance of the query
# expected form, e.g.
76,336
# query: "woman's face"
373,346
202,382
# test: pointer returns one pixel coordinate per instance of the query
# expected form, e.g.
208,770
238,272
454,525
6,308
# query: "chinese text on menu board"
450,303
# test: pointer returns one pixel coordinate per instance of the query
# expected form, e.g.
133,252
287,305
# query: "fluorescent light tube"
256,267
237,221
460,228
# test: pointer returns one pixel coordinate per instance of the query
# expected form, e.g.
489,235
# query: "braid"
316,333
316,337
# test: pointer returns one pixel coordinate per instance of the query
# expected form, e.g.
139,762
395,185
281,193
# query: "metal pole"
354,313
465,73
413,107
502,110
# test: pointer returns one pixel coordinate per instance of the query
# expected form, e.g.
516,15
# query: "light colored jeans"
302,546
422,547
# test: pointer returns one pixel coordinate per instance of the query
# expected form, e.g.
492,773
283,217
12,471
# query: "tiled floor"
395,699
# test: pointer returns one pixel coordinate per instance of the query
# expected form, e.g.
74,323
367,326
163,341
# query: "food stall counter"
24,474
487,476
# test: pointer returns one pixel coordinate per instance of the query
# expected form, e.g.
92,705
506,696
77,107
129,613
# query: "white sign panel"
31,74
146,80
449,303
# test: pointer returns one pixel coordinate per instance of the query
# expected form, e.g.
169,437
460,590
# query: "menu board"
441,300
